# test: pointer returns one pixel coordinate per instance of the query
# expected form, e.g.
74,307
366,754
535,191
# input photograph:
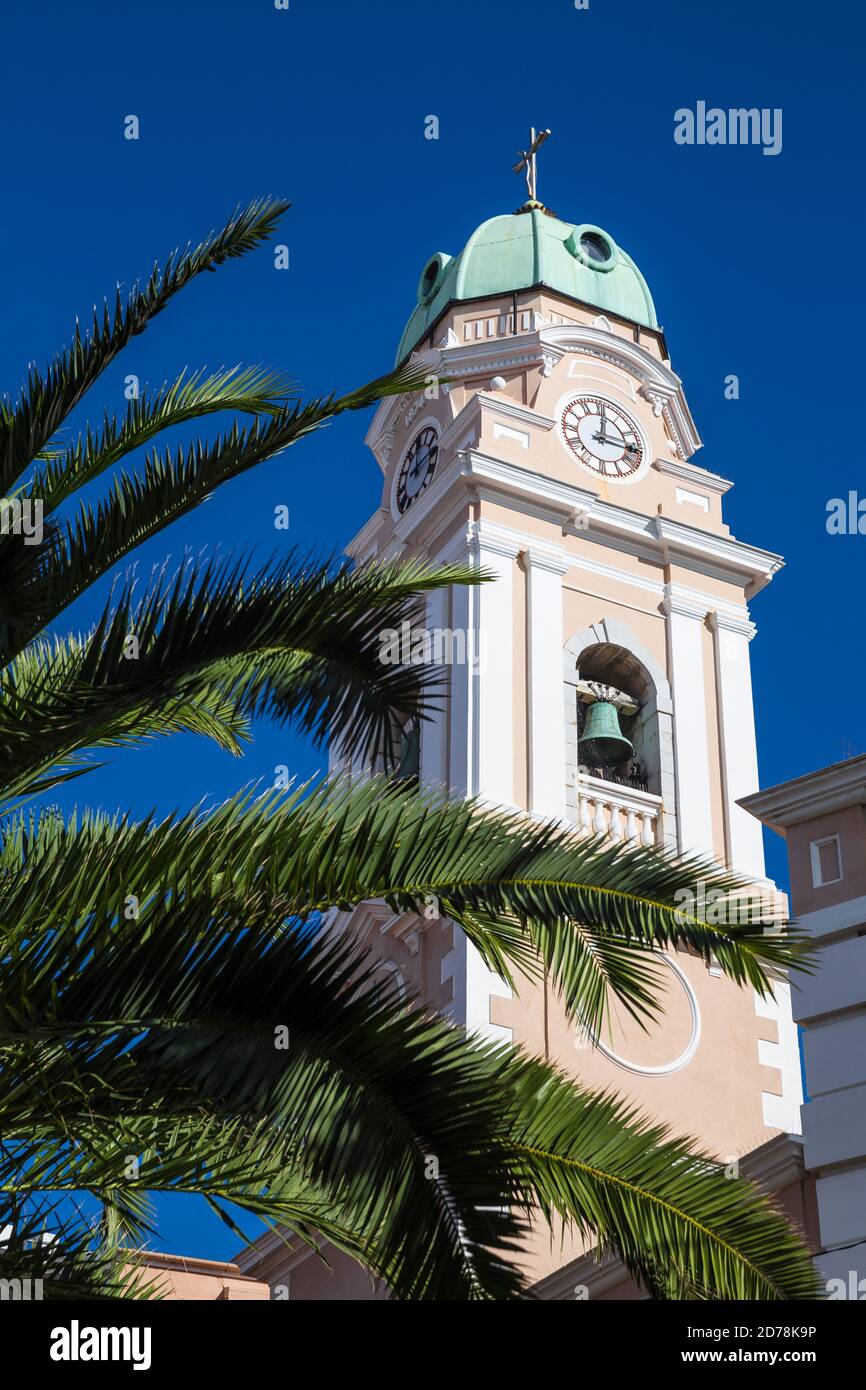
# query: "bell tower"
604,676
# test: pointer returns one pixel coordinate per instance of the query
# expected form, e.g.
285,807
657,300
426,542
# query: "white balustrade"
602,806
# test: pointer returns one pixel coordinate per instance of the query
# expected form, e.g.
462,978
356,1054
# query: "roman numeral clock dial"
603,438
417,469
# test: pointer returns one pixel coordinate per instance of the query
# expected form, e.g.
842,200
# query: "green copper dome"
526,248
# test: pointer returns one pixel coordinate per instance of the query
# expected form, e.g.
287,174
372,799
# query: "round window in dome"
595,248
429,278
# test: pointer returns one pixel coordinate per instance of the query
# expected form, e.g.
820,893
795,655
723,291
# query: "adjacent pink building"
823,819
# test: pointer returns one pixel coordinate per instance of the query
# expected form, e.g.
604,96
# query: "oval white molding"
688,1052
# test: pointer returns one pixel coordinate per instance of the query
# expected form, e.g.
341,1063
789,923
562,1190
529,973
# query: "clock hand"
605,439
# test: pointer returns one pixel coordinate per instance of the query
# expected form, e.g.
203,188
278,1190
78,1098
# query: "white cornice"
725,621
693,473
831,789
677,539
543,347
500,404
365,539
651,536
559,559
493,404
691,603
683,602
538,557
489,354
829,921
657,382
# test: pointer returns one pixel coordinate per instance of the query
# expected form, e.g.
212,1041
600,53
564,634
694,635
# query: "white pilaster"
434,729
691,740
461,742
544,681
494,677
743,836
481,759
482,703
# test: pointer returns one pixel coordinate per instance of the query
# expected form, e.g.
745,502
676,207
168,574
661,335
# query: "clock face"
417,469
602,437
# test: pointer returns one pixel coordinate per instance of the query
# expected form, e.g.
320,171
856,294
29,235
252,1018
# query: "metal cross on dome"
527,160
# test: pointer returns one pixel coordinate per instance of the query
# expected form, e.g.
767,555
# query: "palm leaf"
28,425
215,647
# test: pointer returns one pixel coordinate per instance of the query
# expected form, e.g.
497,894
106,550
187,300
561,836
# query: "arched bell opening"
615,718
615,688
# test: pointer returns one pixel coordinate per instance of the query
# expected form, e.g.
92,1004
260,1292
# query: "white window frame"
815,847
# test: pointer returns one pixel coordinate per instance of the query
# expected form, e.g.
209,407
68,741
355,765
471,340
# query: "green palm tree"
152,971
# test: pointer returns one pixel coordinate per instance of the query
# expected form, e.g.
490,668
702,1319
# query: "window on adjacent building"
826,857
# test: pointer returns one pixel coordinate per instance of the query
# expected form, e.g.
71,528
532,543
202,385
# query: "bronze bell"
409,765
602,741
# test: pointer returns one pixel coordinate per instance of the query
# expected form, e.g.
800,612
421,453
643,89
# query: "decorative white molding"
687,603
691,735
692,473
729,620
601,570
739,752
365,542
618,634
544,572
693,499
501,431
541,557
617,813
805,798
656,380
691,1047
657,399
676,537
650,537
543,347
499,407
781,1111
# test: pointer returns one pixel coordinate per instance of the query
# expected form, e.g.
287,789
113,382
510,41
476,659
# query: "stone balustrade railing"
618,812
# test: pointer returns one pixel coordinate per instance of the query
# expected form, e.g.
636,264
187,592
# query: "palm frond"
249,390
680,1226
516,887
28,424
39,583
54,1247
160,1018
213,647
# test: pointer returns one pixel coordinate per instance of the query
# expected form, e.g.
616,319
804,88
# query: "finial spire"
527,163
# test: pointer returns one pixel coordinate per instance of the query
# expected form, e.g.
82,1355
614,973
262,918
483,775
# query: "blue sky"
754,263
